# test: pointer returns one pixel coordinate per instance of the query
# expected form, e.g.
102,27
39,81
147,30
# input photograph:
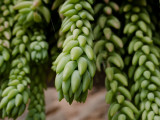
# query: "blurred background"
95,107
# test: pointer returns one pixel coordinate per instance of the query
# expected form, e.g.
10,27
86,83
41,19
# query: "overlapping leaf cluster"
144,54
37,104
121,38
6,23
28,44
75,66
109,51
